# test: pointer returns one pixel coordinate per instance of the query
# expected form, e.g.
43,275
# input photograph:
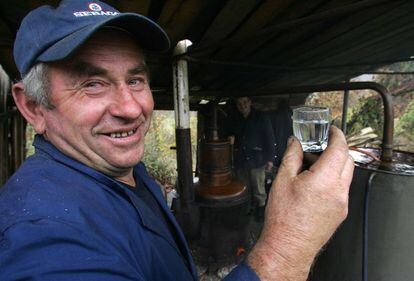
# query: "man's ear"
31,110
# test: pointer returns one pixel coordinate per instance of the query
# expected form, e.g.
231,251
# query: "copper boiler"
222,200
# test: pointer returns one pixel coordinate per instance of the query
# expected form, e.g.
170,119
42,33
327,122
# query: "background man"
254,151
84,208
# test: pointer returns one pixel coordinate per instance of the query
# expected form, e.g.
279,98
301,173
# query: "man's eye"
93,85
137,82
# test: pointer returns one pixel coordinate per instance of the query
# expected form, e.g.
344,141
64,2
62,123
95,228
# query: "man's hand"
303,211
269,166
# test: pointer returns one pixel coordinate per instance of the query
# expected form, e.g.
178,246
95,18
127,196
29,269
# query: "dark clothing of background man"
254,140
282,127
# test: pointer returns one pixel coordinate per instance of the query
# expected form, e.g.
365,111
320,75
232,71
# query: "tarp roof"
256,46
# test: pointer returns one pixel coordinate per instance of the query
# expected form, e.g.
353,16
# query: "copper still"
222,200
217,184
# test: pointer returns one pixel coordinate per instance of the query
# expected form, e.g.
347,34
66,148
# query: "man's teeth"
122,134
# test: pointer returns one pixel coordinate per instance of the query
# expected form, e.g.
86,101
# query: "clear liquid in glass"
312,134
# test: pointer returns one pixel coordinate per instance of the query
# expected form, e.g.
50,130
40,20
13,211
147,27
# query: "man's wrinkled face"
102,104
244,106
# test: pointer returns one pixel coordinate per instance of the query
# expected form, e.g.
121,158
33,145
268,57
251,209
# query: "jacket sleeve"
268,140
46,250
242,272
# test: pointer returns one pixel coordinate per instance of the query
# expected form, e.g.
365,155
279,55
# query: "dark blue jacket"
282,128
254,144
61,220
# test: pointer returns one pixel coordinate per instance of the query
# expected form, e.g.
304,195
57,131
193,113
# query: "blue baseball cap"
50,34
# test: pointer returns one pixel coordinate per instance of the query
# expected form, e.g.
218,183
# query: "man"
254,151
84,208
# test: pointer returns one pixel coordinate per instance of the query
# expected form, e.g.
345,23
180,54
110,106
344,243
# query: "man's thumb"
292,160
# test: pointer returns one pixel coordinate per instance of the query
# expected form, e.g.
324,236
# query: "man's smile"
122,134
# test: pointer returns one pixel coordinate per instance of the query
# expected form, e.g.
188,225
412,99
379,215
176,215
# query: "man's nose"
125,103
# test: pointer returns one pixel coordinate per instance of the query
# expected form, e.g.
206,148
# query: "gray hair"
36,85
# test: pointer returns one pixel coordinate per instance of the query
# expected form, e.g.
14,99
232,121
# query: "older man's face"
103,104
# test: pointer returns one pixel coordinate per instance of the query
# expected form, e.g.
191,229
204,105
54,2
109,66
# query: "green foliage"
30,133
406,123
396,83
333,100
367,113
159,158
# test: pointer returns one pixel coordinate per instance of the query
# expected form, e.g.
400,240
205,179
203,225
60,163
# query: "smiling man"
83,206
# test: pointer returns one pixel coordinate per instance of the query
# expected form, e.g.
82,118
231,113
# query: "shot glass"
311,127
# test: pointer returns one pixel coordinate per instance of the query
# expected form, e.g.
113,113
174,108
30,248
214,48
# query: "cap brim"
147,33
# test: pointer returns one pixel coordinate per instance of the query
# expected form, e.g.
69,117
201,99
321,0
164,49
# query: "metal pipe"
187,212
345,109
182,124
180,84
214,127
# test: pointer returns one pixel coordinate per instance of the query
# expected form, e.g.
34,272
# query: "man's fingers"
335,156
292,160
348,171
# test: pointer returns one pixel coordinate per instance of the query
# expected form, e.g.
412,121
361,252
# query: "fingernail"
291,139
